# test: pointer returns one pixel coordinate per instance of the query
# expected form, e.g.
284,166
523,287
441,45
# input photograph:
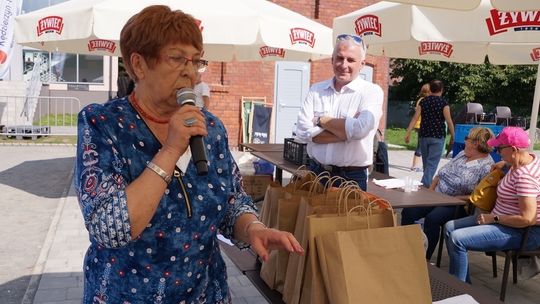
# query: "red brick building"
230,81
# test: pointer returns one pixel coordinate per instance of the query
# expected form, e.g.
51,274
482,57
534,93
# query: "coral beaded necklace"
143,113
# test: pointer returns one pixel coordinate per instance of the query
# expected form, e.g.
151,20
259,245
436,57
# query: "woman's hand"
485,218
263,240
186,122
407,136
500,165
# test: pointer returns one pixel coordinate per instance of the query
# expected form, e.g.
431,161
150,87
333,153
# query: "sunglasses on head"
356,39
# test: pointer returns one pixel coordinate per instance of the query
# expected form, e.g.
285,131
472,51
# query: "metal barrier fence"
32,117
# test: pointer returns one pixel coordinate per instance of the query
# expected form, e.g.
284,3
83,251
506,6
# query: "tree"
487,84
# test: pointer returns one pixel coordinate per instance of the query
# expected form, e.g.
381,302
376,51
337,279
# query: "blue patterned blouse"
459,177
176,259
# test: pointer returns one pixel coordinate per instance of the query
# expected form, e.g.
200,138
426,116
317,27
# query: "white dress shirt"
360,103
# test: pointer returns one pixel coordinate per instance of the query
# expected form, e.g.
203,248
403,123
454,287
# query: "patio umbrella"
409,31
501,5
244,30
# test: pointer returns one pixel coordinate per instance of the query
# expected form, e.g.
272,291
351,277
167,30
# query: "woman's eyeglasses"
469,138
178,61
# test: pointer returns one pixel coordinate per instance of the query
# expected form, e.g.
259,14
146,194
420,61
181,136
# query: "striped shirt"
523,181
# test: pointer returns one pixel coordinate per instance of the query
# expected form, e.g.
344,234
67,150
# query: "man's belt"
332,168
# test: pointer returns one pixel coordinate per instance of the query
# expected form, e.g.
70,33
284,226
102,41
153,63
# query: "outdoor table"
397,197
262,147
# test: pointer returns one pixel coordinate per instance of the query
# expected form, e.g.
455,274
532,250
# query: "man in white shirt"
202,93
340,116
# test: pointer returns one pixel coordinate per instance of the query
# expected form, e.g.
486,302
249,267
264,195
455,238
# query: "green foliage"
396,136
58,120
487,84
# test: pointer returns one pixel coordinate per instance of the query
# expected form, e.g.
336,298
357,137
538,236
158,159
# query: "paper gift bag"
376,265
331,202
313,290
296,263
280,209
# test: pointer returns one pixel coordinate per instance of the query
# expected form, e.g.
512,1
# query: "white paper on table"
461,299
393,183
224,240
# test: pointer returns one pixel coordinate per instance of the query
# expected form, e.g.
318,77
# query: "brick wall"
230,81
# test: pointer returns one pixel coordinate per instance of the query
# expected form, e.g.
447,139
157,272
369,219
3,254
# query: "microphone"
198,154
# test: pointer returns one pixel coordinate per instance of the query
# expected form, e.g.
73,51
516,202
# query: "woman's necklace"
143,113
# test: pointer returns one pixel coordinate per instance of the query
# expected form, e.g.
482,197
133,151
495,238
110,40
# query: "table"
397,197
443,285
262,147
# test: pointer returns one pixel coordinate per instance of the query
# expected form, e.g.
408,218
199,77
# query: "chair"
511,256
503,114
473,110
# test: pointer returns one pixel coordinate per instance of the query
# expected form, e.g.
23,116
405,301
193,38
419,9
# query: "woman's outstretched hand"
263,240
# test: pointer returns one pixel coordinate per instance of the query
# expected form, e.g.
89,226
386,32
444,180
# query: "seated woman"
456,178
518,197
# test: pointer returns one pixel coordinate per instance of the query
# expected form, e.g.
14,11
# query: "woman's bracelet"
252,223
157,170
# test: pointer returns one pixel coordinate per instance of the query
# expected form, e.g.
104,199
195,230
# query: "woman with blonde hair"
424,92
516,207
457,178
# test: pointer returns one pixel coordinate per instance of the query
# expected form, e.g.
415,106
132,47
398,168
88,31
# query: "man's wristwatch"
318,124
496,219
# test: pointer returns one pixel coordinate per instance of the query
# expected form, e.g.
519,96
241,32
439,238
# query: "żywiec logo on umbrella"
440,48
101,45
303,36
50,24
266,51
367,25
535,54
500,22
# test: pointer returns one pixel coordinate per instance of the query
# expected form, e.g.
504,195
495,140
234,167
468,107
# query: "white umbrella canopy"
501,5
245,30
416,32
410,31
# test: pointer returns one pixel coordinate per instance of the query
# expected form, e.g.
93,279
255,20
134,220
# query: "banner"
8,10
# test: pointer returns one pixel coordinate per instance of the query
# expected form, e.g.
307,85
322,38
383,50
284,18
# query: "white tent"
244,30
502,5
409,31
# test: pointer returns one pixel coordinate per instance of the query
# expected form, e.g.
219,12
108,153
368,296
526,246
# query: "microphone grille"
185,96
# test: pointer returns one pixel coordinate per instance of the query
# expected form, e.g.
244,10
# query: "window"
29,6
62,67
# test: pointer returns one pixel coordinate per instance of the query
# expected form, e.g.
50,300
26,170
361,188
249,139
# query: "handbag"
484,194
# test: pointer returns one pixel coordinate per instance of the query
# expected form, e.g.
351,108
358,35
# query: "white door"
292,85
367,73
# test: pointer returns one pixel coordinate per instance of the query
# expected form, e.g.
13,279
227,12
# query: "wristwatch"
319,122
496,219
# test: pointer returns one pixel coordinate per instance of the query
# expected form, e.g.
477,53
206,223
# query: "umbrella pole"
534,111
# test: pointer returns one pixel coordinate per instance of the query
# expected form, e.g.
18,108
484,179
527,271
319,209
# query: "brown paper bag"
377,265
280,210
313,290
331,202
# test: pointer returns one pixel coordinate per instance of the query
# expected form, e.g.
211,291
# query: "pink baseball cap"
511,136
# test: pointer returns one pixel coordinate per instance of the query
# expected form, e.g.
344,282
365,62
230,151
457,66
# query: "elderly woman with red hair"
152,220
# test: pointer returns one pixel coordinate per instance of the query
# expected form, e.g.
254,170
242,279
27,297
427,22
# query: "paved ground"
32,182
43,239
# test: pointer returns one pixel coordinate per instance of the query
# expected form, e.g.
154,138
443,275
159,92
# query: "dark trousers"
360,175
434,219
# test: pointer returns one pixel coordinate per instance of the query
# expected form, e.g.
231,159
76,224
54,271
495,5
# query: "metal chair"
503,114
511,256
473,111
